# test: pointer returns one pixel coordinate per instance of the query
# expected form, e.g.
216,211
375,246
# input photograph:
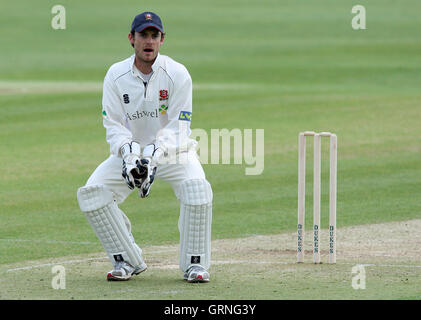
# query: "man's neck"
144,67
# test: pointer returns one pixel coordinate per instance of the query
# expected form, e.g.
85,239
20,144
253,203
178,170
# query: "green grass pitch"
282,66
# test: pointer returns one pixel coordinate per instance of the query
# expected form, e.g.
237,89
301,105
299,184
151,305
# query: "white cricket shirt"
157,111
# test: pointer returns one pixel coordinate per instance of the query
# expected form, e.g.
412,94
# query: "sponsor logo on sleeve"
185,115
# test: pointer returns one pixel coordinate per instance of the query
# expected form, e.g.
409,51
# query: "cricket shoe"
123,271
195,274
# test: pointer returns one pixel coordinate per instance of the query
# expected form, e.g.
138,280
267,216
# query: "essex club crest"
163,95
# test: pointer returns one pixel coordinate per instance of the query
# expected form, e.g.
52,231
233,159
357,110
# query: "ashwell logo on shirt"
142,114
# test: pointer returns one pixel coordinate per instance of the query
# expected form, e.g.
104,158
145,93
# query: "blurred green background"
281,66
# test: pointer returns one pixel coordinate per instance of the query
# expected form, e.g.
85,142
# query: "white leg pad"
195,223
110,224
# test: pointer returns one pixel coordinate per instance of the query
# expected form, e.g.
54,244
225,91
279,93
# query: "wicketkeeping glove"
136,176
151,154
148,177
132,172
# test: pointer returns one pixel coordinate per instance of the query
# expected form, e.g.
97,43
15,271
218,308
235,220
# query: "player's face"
147,44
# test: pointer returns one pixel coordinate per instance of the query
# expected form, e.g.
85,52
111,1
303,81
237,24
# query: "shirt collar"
155,65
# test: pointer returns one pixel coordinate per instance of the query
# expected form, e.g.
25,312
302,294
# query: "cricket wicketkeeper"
147,109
